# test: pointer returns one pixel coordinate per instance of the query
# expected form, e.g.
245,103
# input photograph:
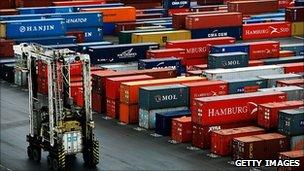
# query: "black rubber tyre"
36,153
49,161
30,152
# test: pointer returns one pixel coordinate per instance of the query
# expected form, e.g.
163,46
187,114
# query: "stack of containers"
172,62
172,6
291,124
158,99
295,15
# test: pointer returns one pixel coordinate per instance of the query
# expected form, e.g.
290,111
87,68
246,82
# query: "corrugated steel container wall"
297,29
253,7
167,96
235,32
44,10
181,129
245,85
120,53
232,108
293,92
161,37
162,63
228,60
284,60
295,47
272,79
147,117
163,121
128,113
242,73
48,40
297,142
240,47
32,28
268,112
291,121
264,50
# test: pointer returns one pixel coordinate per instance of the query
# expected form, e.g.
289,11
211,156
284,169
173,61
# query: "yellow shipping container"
161,37
297,29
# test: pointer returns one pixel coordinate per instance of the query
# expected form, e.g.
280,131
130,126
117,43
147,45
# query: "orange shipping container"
115,14
128,113
129,90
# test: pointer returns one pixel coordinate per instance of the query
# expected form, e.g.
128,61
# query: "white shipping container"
272,79
120,66
293,92
242,73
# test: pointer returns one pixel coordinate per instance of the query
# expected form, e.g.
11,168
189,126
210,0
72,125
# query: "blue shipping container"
82,47
173,4
44,10
80,7
297,48
108,28
167,24
174,63
274,61
48,40
299,3
21,17
163,123
270,15
240,47
120,53
235,32
32,28
91,34
244,85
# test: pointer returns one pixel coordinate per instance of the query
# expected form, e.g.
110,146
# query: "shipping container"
291,122
268,15
44,10
119,53
72,47
79,2
285,60
125,37
255,63
204,8
242,73
80,35
259,147
297,28
128,114
294,14
32,28
82,47
264,50
112,108
147,118
161,37
272,79
228,60
199,48
286,53
164,53
295,47
165,96
221,140
238,47
181,131
292,155
8,12
253,7
48,40
210,2
171,62
115,14
78,8
235,32
163,121
129,92
246,85
292,82
293,67
232,108
297,142
173,4
6,48
91,34
268,112
266,30
232,19
120,66
293,92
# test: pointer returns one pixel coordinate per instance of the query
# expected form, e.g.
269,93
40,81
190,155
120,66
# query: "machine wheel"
30,152
36,154
91,154
56,160
49,161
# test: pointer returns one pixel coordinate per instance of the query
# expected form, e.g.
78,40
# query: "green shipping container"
125,37
291,122
166,96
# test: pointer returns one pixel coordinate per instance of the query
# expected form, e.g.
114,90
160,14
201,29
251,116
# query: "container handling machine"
56,124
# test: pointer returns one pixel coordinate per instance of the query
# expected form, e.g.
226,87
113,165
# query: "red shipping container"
200,67
193,61
285,3
79,2
80,35
232,108
205,8
259,147
199,48
229,19
256,63
8,11
194,73
221,140
206,89
209,2
152,15
181,129
6,48
286,53
113,84
293,67
292,155
264,50
293,82
253,7
294,14
268,112
201,135
96,102
266,30
112,108
179,19
165,53
177,10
